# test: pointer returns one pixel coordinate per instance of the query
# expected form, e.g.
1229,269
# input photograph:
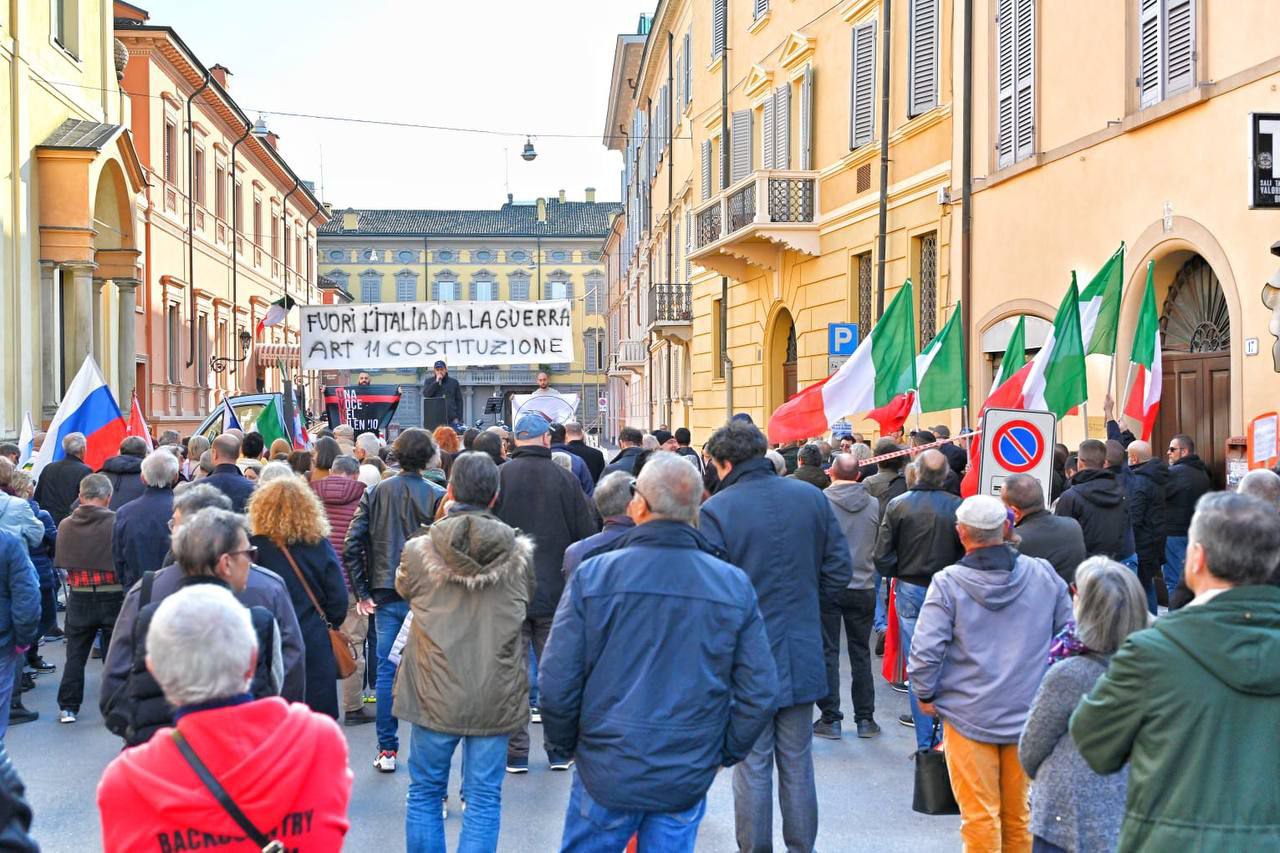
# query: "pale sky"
537,67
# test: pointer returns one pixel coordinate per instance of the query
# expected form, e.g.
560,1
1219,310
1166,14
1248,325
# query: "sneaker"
54,634
41,666
370,699
879,644
535,714
358,718
868,728
386,761
96,654
66,715
907,720
18,714
27,682
517,765
562,764
829,729
900,686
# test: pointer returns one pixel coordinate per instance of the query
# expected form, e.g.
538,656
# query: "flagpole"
1084,414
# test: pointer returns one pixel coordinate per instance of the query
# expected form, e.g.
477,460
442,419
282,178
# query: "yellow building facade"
777,233
71,186
550,248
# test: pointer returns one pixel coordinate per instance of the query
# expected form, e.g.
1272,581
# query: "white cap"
982,512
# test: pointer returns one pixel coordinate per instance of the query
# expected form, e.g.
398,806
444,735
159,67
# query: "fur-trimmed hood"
474,549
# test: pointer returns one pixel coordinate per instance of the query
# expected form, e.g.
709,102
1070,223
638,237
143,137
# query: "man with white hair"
980,649
1263,484
140,539
59,482
367,445
705,670
284,766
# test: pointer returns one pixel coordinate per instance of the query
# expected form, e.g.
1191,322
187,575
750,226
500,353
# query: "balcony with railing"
670,313
745,229
630,357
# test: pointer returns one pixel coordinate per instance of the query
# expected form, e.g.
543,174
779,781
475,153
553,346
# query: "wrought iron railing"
708,225
764,198
791,199
671,303
742,207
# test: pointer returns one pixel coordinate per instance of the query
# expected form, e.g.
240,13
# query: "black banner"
1264,178
365,408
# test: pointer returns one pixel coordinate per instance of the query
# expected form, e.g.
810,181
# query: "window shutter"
1024,68
1149,51
782,127
862,125
806,118
568,290
688,69
688,245
767,135
435,291
740,165
706,169
719,14
1005,80
923,73
1180,46
762,6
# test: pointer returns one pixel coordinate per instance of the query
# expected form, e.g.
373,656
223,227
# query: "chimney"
221,73
272,139
591,195
510,198
562,196
328,210
350,220
542,210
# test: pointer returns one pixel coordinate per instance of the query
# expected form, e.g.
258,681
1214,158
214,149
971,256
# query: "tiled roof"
564,219
85,135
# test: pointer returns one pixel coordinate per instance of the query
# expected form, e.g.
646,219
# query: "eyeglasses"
251,552
635,491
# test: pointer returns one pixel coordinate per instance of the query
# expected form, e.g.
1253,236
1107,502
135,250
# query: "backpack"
138,708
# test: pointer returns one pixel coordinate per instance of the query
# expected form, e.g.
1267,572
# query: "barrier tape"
912,451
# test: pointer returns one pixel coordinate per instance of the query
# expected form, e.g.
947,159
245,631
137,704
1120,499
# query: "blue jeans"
484,761
910,600
880,621
533,677
591,827
1131,562
10,671
389,617
1175,554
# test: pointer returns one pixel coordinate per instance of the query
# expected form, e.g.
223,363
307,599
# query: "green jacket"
1193,705
464,669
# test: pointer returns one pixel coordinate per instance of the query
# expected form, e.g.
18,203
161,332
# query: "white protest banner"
557,407
417,334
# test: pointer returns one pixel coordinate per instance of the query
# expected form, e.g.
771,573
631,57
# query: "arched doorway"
781,358
1196,396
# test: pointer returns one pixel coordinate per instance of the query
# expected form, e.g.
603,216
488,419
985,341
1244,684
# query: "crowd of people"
1099,665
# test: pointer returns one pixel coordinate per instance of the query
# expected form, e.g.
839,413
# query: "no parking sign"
1015,441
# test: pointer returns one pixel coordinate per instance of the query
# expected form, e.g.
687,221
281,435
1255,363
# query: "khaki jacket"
464,670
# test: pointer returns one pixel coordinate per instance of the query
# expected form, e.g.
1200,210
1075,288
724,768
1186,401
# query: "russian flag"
90,408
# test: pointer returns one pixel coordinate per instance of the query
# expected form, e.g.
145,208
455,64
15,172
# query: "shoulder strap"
224,799
284,549
148,581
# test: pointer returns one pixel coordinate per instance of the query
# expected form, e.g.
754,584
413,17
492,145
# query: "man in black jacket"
59,483
630,440
441,384
1097,500
227,477
1042,534
577,445
886,484
389,513
1188,481
546,503
956,455
917,540
683,439
1148,483
125,471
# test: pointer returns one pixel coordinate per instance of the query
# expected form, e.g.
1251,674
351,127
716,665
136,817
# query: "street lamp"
528,154
219,363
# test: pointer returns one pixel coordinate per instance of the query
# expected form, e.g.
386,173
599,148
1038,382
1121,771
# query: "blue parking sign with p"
842,338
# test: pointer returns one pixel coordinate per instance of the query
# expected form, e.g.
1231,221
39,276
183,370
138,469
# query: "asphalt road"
864,786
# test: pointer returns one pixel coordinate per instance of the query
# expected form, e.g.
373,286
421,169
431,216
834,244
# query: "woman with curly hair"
290,530
447,442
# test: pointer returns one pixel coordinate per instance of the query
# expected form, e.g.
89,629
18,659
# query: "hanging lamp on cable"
528,154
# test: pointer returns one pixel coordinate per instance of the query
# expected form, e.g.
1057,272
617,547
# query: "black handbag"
933,783
266,845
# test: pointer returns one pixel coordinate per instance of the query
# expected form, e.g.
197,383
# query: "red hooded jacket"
284,766
341,498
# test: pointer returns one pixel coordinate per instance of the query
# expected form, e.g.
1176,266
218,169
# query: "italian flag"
1015,355
876,381
276,313
1056,380
940,370
270,424
1144,362
1100,307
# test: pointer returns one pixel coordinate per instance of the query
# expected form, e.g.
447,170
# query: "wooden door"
1196,400
789,380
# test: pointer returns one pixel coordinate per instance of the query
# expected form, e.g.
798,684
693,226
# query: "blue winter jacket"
42,554
784,535
657,672
140,540
19,595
